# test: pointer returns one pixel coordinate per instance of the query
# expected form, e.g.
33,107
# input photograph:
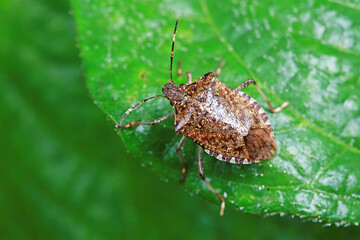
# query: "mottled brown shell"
228,124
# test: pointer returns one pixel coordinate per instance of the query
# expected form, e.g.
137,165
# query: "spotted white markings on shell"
225,158
220,112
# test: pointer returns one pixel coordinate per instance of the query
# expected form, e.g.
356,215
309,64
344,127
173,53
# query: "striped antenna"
172,51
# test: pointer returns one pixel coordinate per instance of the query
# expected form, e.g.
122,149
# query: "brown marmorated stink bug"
227,123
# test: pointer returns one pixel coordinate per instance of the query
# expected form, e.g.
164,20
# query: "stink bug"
227,123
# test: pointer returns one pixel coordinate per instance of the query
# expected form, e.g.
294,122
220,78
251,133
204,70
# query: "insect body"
225,122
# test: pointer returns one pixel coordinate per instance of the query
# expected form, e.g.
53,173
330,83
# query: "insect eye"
182,86
172,102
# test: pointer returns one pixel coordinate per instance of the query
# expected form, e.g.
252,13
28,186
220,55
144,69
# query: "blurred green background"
65,174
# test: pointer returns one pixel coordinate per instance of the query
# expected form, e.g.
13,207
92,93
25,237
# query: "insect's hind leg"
180,73
272,109
201,173
183,170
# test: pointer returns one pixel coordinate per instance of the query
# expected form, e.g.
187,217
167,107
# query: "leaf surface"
306,53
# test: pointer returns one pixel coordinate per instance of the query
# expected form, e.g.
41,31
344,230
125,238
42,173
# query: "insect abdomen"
259,145
225,158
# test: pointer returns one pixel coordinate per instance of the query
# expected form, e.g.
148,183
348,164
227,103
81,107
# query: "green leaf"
305,52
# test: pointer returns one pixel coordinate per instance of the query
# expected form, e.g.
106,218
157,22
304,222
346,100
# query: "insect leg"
189,77
180,73
218,70
156,121
179,70
273,110
245,84
182,177
118,125
201,173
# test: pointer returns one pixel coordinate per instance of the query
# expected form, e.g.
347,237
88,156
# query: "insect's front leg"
272,109
132,124
201,173
156,121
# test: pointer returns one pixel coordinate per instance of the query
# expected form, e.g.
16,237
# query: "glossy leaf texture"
304,52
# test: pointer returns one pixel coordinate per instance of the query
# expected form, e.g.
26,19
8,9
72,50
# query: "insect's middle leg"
272,109
183,170
180,73
201,173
